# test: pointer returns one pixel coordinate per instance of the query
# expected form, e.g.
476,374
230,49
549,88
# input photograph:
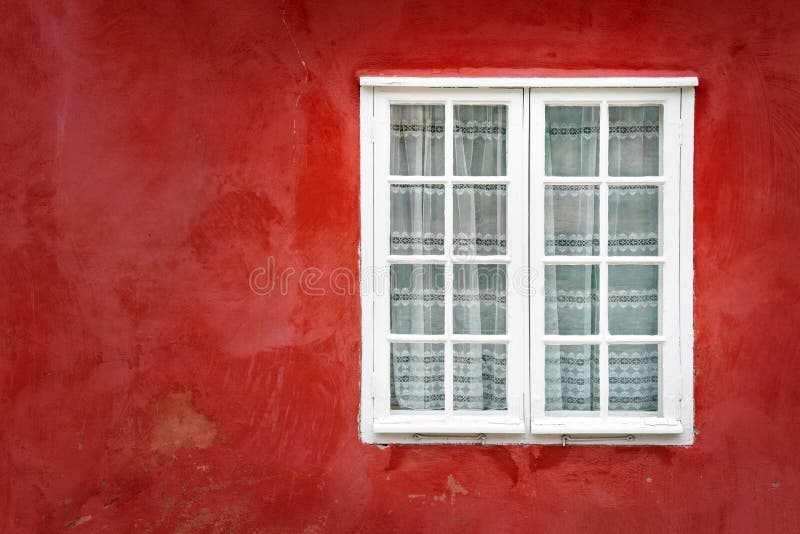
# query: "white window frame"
525,420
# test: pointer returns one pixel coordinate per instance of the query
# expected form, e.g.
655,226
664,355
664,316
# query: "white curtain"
417,376
571,140
572,229
479,219
633,220
417,213
479,228
479,140
634,143
571,296
417,142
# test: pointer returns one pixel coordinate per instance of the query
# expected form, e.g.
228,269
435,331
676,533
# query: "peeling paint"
80,521
177,424
455,488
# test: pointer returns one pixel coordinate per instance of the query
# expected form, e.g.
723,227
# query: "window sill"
586,426
395,424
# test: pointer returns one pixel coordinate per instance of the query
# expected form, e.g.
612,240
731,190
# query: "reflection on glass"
633,297
479,219
479,140
571,376
417,376
572,220
571,299
416,146
417,293
571,142
479,376
479,299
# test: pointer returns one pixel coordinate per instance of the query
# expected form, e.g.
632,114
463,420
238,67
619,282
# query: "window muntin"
614,235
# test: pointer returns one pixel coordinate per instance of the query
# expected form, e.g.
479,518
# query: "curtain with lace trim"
572,229
479,228
417,140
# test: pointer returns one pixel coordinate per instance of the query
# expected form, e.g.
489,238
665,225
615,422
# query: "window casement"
526,260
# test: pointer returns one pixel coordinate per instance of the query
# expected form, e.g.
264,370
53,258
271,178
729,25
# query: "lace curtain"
572,222
479,228
417,140
572,228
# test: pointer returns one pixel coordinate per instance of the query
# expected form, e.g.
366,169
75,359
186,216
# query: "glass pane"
571,143
633,212
634,140
633,377
479,376
417,219
571,297
479,219
633,299
417,305
479,140
572,220
479,299
416,147
571,377
417,376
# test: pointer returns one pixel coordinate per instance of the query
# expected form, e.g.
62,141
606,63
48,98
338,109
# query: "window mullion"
603,303
448,267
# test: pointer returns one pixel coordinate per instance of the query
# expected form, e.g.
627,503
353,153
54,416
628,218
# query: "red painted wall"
152,154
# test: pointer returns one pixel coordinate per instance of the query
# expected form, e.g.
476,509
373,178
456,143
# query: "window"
526,260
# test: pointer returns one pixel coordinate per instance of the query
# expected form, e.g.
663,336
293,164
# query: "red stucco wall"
153,154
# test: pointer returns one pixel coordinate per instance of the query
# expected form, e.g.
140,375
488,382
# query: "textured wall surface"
152,154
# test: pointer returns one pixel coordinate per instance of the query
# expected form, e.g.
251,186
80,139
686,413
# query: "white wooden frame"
525,420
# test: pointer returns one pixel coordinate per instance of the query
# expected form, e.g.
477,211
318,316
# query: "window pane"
571,297
417,305
479,376
572,140
633,299
417,219
416,147
633,212
479,140
571,377
634,140
479,299
479,219
633,377
572,220
417,376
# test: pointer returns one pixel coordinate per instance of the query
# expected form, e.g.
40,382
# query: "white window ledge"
538,82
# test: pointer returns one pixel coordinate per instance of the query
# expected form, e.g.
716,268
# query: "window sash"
511,420
667,418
